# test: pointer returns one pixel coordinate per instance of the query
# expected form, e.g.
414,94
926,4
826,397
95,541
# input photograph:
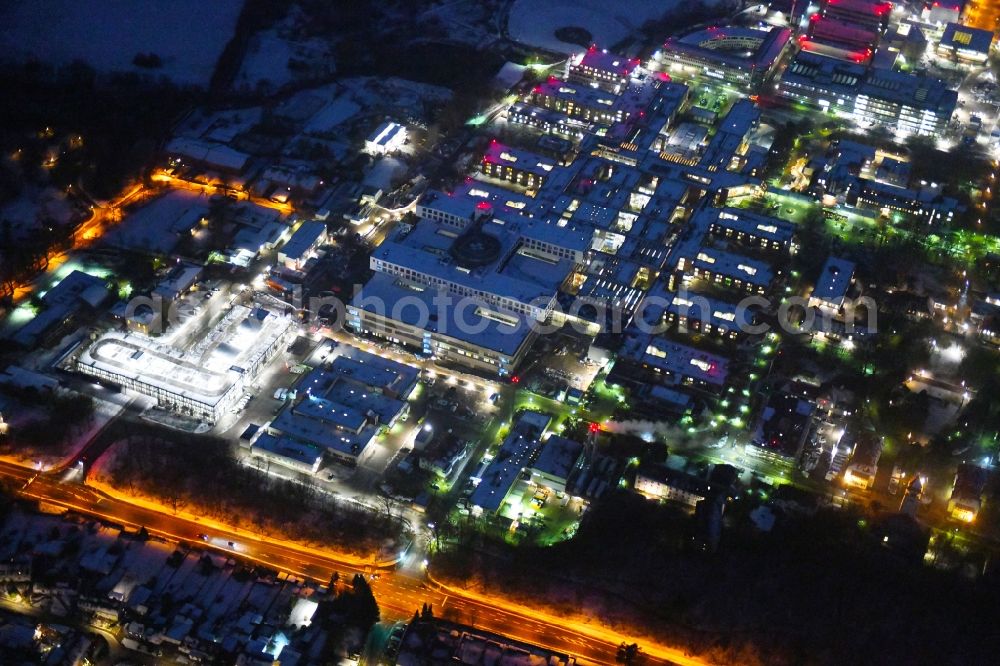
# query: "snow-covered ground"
187,35
157,226
33,205
382,173
534,22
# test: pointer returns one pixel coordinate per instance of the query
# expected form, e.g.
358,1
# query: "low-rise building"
388,138
967,496
645,358
863,465
287,452
556,461
302,245
670,485
967,44
832,285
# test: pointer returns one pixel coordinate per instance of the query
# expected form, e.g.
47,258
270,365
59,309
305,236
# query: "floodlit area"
202,380
535,22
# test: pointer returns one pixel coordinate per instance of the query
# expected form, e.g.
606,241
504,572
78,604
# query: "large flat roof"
850,79
285,447
681,360
204,372
750,223
733,265
710,43
601,59
557,457
834,280
425,250
962,38
498,478
303,239
477,324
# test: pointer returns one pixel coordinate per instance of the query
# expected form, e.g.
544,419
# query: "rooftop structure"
743,56
908,103
962,43
340,410
203,380
601,68
387,138
832,285
669,363
299,247
515,456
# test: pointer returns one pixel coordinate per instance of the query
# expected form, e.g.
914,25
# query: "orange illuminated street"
399,593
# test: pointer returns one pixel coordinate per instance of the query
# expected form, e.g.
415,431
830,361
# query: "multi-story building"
472,295
751,229
649,358
670,485
579,101
834,281
863,466
839,39
204,380
742,56
521,167
906,103
872,14
598,67
728,269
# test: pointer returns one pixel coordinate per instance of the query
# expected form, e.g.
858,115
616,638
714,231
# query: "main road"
399,592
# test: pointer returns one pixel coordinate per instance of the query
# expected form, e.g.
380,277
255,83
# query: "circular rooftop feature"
475,248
